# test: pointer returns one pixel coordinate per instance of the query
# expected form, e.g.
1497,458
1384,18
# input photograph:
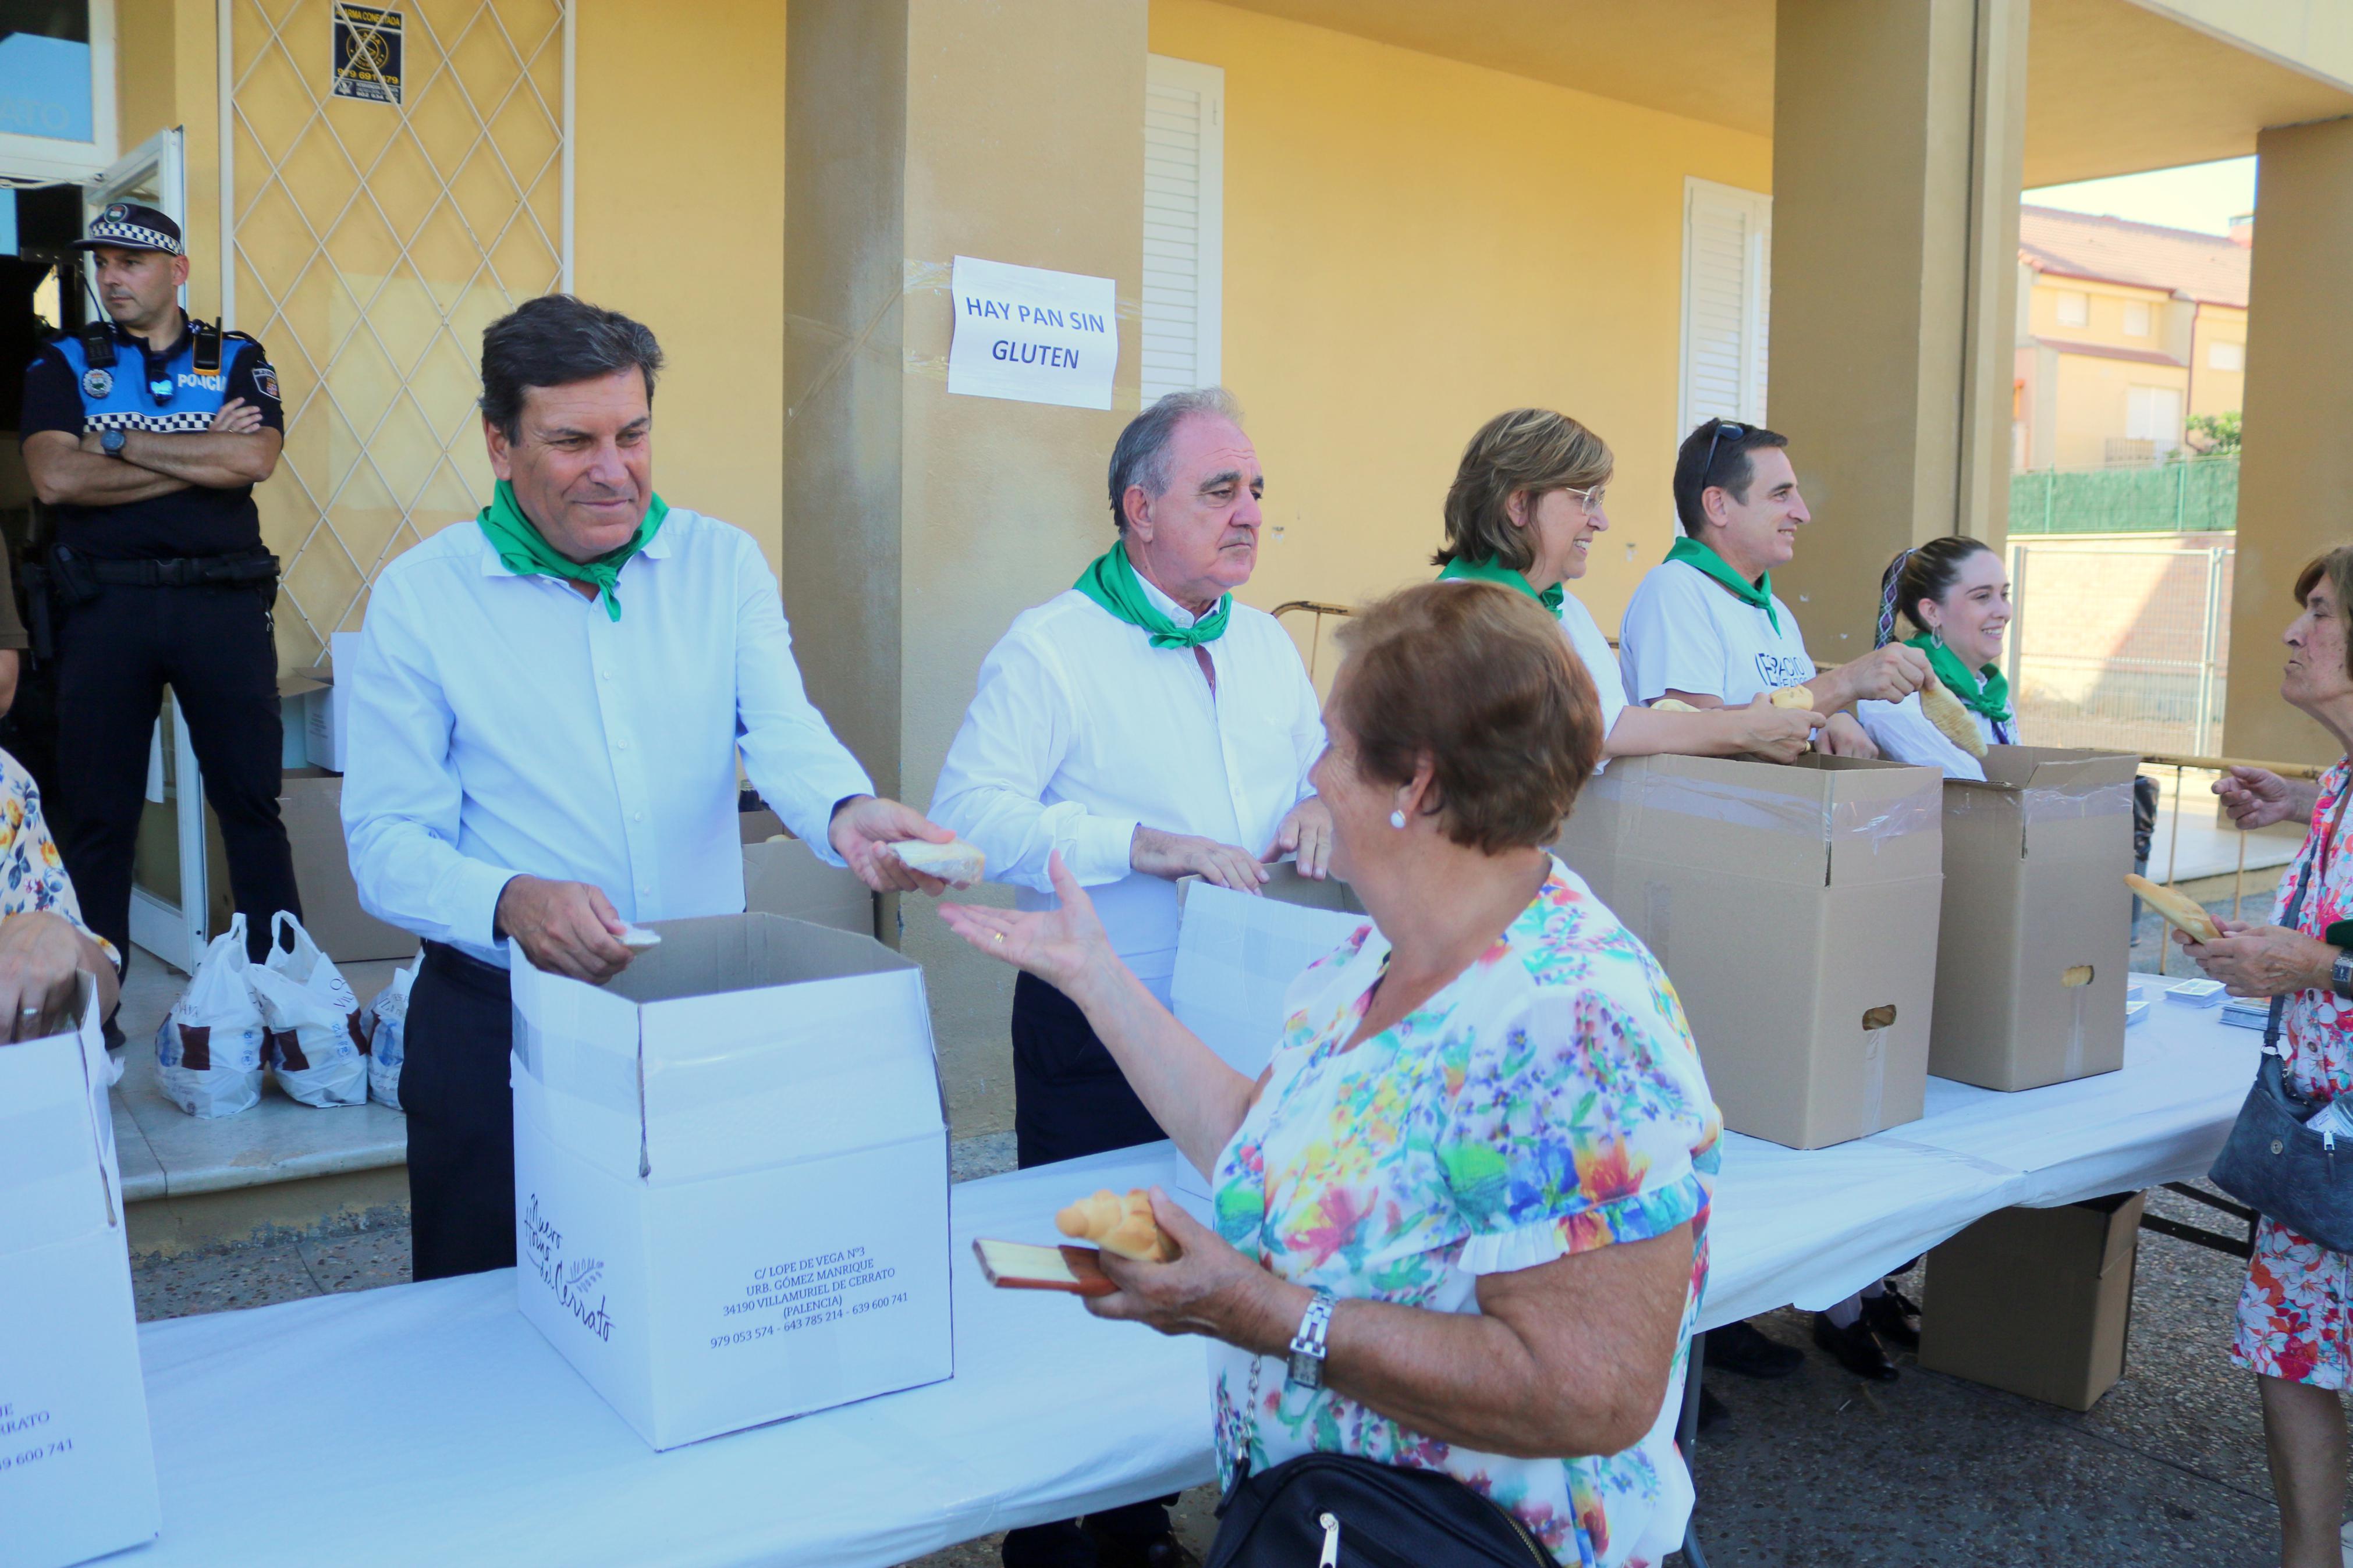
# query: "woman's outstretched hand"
1058,946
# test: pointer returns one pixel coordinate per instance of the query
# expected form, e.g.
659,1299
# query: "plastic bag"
208,1050
385,1046
317,1044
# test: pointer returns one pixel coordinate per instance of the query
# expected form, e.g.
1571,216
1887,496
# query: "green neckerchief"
1110,580
1459,570
527,555
1987,692
1692,553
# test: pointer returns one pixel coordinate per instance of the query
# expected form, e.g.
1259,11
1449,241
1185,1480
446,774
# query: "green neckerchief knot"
1110,580
527,555
1460,571
1985,693
1694,554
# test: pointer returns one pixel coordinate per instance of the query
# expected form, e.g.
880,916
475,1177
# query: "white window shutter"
1728,302
1184,224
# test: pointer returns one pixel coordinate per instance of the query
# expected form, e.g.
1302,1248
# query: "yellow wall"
679,220
2214,391
1413,245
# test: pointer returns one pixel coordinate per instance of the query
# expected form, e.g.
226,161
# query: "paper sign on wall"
1033,335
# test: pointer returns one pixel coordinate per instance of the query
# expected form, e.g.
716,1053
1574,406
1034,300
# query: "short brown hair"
1530,451
2337,567
1479,679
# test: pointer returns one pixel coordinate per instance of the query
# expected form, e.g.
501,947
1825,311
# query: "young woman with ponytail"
1952,595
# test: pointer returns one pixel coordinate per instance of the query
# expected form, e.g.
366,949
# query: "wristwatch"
2341,974
1306,1366
110,442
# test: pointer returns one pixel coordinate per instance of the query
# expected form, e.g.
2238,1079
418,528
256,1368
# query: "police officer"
145,434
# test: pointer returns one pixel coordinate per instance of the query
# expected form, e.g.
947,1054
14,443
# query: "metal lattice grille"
371,243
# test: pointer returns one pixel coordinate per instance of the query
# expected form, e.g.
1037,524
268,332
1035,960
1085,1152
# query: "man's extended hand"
564,928
1176,855
1306,832
1888,674
864,828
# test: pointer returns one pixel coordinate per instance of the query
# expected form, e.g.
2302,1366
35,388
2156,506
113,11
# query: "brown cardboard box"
1795,909
2033,943
785,879
2036,1301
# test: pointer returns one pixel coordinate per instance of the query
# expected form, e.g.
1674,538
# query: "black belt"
245,569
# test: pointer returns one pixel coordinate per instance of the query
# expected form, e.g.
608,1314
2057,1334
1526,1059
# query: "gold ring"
1000,936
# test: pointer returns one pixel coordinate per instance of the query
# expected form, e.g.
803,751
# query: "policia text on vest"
144,435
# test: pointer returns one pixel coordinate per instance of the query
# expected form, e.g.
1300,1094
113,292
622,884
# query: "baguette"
1954,722
2178,907
955,862
1121,1224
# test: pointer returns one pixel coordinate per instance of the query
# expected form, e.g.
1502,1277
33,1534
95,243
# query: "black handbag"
2272,1162
1336,1511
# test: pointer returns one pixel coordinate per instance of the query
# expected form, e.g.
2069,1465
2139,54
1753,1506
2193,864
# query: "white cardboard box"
732,1175
1237,954
77,1465
324,720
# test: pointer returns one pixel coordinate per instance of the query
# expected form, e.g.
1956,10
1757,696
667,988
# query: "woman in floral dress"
1484,1141
2292,1324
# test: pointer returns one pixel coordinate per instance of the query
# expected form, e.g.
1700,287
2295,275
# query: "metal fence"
2199,495
2121,645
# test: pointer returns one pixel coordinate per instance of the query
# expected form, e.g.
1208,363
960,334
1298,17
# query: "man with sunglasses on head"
144,434
1704,627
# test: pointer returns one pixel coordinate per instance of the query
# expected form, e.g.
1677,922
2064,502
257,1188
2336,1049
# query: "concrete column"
917,525
2296,473
1898,144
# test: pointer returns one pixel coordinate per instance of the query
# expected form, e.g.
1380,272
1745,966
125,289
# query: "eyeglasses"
1588,499
1724,427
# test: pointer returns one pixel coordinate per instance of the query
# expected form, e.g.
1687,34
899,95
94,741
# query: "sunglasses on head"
1724,427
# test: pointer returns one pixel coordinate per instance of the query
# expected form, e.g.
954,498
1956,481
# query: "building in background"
2125,333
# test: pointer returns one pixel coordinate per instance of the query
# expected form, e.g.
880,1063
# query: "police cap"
131,226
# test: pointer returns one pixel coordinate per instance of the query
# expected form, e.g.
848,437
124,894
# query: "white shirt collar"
1163,603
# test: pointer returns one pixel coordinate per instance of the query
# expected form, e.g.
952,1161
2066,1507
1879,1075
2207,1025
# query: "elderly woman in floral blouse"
2293,1314
1484,1144
44,946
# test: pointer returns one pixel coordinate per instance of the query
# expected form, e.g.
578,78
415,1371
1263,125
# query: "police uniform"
175,589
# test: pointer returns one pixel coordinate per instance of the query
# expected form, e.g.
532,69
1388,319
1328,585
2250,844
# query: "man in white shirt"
1705,625
545,715
1148,728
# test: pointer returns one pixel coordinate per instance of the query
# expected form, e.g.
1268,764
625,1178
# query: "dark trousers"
453,1085
114,656
1069,1099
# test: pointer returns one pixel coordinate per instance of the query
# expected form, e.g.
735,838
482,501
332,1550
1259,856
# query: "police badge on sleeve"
97,383
265,382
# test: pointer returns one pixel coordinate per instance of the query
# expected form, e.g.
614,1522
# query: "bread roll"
1670,705
2178,907
1121,1224
1954,722
1792,697
954,861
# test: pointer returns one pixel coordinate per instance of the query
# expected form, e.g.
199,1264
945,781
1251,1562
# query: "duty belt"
242,570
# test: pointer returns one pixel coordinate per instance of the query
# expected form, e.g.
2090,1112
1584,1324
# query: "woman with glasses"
1523,510
1953,595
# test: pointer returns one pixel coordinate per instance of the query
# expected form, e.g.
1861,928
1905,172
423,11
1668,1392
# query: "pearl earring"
1396,819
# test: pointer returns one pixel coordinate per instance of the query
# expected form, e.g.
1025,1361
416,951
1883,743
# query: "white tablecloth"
430,1424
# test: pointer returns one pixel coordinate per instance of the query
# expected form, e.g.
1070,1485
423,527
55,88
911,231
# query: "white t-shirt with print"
1685,632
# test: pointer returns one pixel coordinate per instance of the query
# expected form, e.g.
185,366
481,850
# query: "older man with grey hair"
1146,727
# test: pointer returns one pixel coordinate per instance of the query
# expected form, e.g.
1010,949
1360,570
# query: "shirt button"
603,675
645,887
622,745
636,817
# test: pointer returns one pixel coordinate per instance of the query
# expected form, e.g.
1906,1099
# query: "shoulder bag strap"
2294,907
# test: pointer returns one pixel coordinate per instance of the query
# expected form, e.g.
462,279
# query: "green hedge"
2199,496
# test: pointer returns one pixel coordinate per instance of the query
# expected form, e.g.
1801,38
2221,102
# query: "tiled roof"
2202,267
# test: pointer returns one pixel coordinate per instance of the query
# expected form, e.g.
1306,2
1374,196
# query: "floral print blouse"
1548,1101
2294,1309
32,874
